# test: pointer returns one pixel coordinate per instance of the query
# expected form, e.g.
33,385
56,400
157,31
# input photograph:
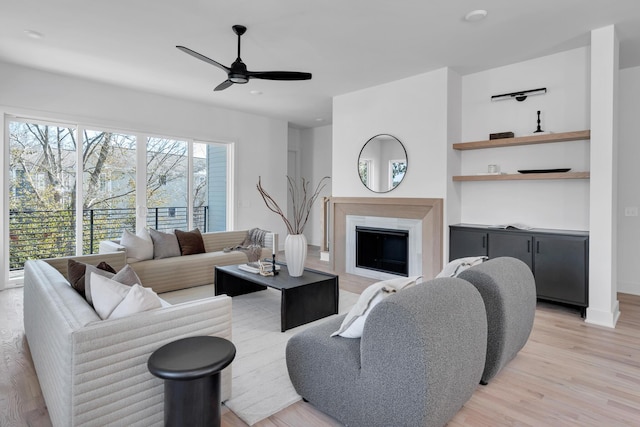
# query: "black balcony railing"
48,234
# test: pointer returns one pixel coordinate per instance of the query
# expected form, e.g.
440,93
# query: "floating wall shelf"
525,140
523,176
580,135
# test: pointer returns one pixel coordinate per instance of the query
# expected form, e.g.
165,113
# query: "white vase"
295,253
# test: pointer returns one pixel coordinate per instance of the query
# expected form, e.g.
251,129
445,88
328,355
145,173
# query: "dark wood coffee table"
310,297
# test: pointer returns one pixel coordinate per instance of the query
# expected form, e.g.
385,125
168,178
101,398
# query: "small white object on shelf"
546,132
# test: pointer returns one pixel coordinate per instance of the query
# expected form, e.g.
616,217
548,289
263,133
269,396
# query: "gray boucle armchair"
420,358
508,289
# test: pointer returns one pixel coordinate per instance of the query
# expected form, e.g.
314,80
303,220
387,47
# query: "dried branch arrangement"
301,200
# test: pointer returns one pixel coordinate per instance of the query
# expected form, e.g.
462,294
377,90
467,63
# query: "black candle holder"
273,265
538,129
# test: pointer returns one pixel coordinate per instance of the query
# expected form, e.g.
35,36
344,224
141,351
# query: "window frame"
141,209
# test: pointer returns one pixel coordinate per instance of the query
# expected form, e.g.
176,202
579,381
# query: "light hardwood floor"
569,374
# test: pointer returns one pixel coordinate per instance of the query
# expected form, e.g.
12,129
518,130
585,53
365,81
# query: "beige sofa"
170,274
93,372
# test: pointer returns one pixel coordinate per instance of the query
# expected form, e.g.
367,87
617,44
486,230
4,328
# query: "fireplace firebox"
382,249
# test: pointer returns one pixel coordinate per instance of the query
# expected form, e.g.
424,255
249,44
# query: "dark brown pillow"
190,242
76,272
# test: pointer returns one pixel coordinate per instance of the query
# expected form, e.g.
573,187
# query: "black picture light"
520,95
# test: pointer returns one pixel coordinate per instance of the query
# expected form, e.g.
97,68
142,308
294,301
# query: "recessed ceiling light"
34,34
255,92
475,15
319,119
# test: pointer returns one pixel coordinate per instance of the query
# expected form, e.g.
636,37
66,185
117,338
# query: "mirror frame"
406,157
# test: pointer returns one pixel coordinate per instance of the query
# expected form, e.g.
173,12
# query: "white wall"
316,157
414,110
260,142
629,181
562,204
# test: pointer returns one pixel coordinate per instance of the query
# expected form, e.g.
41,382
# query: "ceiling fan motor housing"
238,72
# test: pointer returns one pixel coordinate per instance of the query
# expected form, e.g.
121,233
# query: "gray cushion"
165,245
76,272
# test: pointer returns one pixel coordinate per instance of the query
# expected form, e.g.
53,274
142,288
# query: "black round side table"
191,369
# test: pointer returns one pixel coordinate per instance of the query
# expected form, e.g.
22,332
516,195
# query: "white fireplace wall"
414,227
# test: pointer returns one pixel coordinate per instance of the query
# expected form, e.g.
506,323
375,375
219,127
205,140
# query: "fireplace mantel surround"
428,211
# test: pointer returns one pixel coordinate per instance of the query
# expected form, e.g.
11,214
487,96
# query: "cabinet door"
561,268
464,243
512,245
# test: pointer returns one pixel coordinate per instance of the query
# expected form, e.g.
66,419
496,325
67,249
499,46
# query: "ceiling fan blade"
222,86
203,58
278,75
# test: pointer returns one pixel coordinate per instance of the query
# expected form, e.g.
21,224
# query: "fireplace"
382,249
422,217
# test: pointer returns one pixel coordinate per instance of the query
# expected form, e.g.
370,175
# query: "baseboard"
604,318
632,288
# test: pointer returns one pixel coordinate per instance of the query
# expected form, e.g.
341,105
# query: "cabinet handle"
537,247
528,246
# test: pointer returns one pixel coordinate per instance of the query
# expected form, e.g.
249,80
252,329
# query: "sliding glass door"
42,191
167,184
108,186
65,197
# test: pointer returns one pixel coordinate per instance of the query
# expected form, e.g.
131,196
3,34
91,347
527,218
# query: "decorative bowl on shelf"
544,170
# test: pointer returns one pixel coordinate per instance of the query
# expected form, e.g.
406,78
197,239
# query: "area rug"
260,382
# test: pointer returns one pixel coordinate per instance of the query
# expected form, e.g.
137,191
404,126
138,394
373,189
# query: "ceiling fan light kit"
475,15
520,95
238,73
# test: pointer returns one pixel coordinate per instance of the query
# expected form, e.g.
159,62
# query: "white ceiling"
347,44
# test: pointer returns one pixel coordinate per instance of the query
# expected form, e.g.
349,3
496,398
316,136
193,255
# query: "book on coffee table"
254,267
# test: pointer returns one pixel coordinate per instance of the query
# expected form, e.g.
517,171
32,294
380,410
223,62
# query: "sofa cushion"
137,300
139,247
76,271
126,276
113,300
353,323
106,294
170,274
165,245
190,242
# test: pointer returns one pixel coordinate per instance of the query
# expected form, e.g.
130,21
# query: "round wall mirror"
382,163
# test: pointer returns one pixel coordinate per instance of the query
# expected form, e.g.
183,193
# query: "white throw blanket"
251,245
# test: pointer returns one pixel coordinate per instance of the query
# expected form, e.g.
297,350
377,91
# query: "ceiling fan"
238,72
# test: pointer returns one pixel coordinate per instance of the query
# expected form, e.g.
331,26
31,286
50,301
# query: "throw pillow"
190,242
353,323
126,276
106,294
139,246
459,265
114,300
76,271
137,300
165,245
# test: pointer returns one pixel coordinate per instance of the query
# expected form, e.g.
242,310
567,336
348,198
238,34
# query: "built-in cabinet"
559,259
